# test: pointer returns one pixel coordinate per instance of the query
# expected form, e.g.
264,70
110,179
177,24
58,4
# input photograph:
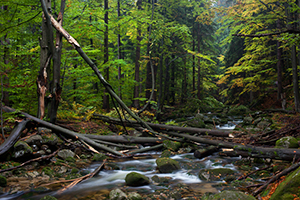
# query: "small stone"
33,174
117,194
65,153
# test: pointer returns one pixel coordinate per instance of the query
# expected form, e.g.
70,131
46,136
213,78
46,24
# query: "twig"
90,175
32,160
245,176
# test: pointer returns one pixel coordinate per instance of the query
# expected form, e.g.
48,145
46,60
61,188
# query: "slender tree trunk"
295,79
279,67
184,83
119,52
106,56
194,70
172,88
56,88
46,54
199,67
136,102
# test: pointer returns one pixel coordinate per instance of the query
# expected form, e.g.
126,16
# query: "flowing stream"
110,179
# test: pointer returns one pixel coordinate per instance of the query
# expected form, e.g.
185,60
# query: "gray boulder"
65,153
117,194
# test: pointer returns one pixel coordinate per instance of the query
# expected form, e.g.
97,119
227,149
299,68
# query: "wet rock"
287,142
171,145
134,196
48,197
117,194
40,153
161,180
216,174
21,149
229,195
65,153
136,179
247,120
99,157
289,188
50,139
33,174
3,181
35,140
198,121
167,165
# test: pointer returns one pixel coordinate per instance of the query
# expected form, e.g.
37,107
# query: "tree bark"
13,137
162,127
125,139
106,56
295,79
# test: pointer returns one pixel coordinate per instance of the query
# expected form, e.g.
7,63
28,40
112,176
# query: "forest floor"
288,124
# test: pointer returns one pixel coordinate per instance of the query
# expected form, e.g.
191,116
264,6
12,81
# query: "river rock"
171,145
117,194
136,179
35,140
134,196
247,120
65,153
166,153
167,165
229,195
48,197
216,174
198,121
287,142
21,149
50,139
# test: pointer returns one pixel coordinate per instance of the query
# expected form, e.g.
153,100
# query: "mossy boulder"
171,145
3,181
216,174
99,157
287,142
136,179
21,149
289,188
167,165
197,122
50,139
48,171
34,140
228,195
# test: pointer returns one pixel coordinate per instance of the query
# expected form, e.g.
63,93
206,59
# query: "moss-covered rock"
3,181
167,165
166,153
48,197
99,157
171,145
228,195
289,188
287,142
216,174
48,171
21,148
161,180
65,153
198,121
35,140
117,194
136,179
50,139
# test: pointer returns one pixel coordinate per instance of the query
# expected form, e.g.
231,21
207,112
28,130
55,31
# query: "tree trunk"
184,83
295,79
194,70
56,88
199,67
46,54
279,67
119,52
136,102
106,57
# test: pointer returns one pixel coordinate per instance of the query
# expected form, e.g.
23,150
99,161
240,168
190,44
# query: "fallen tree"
163,127
65,132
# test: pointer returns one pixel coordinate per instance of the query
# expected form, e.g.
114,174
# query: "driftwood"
250,150
125,139
65,132
29,161
159,127
13,137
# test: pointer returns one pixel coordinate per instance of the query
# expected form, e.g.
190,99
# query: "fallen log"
159,127
159,146
13,137
125,139
65,132
250,150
